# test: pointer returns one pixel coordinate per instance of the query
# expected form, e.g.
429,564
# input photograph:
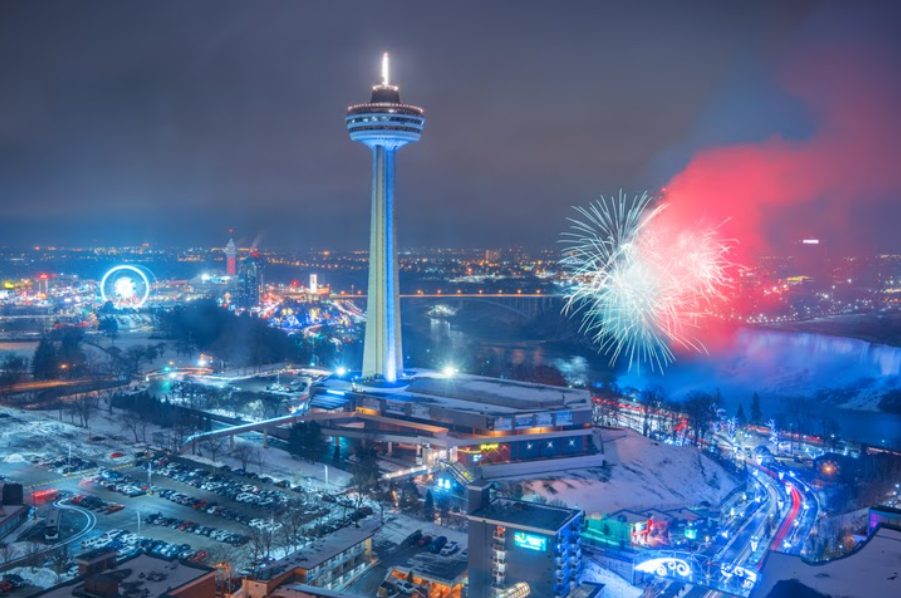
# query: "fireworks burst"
641,287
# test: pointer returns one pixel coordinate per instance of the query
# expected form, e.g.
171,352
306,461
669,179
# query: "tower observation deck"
384,124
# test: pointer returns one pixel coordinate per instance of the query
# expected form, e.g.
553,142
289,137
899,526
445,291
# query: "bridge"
523,304
457,295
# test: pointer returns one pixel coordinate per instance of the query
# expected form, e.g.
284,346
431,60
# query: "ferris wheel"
126,285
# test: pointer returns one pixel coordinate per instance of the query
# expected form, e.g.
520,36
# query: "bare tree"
133,420
33,555
650,401
86,408
293,525
258,458
59,561
243,453
700,407
7,553
215,446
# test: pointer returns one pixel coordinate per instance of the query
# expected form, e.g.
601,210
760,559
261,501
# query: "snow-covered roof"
872,570
464,392
322,549
142,572
526,515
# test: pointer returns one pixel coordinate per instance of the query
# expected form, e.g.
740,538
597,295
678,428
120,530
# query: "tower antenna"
385,70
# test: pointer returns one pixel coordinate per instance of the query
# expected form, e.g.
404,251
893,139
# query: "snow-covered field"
640,473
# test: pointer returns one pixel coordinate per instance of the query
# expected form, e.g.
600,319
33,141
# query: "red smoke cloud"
853,156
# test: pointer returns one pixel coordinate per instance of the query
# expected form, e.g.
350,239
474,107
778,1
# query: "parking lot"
183,508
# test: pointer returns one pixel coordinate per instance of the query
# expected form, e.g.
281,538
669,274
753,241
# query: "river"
845,376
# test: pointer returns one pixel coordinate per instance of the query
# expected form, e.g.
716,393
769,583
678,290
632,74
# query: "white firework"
640,288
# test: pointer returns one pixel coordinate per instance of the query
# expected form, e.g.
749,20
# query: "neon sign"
530,541
489,447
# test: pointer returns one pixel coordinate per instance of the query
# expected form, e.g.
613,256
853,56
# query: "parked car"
437,544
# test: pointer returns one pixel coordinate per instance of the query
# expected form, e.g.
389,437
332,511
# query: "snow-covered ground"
614,585
280,465
40,577
640,473
870,571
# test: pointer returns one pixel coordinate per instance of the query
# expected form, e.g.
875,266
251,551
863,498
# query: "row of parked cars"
210,508
191,527
220,484
435,545
127,544
95,503
116,481
65,465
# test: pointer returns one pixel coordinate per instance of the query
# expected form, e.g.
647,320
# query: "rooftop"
476,394
302,590
524,514
448,570
322,549
141,574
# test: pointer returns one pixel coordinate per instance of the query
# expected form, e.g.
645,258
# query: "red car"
200,555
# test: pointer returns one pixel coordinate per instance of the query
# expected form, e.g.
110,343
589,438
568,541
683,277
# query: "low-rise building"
440,576
140,575
330,562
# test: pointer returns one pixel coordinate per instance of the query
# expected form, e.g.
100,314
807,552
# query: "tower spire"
386,70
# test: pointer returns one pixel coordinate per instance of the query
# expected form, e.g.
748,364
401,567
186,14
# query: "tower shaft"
382,350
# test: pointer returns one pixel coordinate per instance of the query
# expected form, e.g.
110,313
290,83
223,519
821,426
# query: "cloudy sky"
169,121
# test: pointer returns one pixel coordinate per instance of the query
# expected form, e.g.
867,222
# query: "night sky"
168,122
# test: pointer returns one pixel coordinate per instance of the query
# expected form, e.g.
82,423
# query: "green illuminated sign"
529,541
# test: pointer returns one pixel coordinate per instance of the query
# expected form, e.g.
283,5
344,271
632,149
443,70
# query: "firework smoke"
641,288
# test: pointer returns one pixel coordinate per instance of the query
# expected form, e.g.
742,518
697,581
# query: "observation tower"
384,125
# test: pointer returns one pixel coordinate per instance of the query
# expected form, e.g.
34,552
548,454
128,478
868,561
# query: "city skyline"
218,128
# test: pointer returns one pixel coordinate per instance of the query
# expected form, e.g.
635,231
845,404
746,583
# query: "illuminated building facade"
384,125
231,256
250,281
513,542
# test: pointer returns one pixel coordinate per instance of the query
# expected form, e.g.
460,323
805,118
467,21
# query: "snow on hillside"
640,473
614,585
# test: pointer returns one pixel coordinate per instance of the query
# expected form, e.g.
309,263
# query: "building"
438,575
512,541
231,258
330,562
485,427
384,125
140,575
250,281
13,511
